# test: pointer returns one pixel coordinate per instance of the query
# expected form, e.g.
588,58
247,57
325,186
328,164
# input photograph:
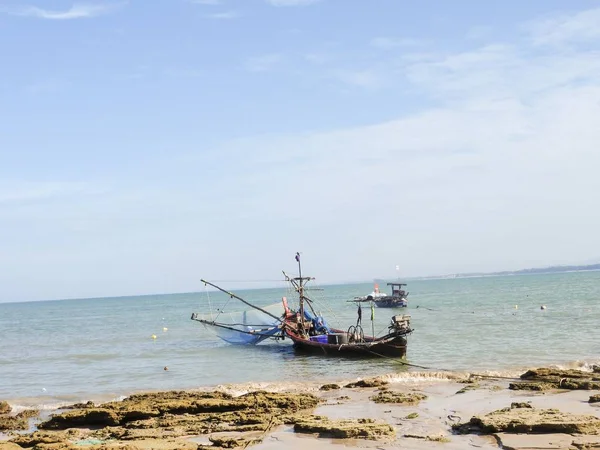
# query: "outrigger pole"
242,300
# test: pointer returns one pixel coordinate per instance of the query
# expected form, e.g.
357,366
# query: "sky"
147,144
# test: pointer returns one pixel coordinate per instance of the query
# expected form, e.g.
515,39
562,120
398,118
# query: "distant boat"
398,298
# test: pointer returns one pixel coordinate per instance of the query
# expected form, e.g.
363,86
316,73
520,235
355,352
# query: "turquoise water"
60,351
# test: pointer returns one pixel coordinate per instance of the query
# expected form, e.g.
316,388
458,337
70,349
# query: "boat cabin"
397,290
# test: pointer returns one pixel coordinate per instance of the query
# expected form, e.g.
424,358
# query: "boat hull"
391,303
393,348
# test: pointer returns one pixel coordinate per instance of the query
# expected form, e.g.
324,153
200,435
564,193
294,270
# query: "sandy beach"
551,409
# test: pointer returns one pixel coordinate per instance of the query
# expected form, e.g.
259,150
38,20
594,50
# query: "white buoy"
543,307
165,329
516,306
153,336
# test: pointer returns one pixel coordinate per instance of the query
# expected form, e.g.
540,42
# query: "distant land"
534,271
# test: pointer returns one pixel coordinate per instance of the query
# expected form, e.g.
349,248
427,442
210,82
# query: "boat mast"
300,286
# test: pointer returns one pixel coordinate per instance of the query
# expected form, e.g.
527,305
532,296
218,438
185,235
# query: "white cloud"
502,173
566,28
18,192
292,2
366,78
77,11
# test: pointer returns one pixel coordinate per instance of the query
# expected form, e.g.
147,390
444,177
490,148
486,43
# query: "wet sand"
416,424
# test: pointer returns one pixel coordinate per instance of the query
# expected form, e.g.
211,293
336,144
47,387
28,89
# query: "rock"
9,446
144,419
158,406
431,438
470,387
329,387
411,398
367,383
519,419
594,398
29,413
89,404
235,440
412,416
516,405
544,379
5,407
40,437
531,386
345,429
82,418
13,423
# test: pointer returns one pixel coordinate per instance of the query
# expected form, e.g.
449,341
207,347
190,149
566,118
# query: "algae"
523,418
411,398
142,419
345,429
367,383
5,407
594,398
543,379
329,387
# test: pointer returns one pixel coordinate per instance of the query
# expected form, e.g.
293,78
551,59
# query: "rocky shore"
543,409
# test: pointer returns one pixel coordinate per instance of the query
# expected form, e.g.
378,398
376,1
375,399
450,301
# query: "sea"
54,353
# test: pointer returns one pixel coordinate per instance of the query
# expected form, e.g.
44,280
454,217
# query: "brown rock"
367,383
544,379
594,398
329,387
9,446
519,419
13,423
345,429
5,407
411,398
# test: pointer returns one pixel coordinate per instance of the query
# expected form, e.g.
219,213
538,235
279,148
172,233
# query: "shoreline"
448,400
411,376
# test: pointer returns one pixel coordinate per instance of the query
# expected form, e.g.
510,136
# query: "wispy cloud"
365,78
566,28
77,11
292,2
225,15
263,63
510,141
26,192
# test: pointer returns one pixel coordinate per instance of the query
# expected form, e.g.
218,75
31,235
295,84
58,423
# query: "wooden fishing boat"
308,331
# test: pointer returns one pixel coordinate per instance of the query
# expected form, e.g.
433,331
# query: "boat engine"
400,323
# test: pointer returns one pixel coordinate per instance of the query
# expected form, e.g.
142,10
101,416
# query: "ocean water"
58,352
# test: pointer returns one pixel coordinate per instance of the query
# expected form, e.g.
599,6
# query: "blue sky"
144,145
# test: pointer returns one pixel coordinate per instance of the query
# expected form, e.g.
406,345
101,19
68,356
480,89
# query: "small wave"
586,366
51,404
238,389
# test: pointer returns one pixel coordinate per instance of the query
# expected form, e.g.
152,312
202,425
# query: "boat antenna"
232,295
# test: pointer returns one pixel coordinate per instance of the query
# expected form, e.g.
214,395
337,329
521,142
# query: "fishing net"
245,327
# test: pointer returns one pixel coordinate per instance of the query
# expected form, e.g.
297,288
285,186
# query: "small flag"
297,256
372,311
